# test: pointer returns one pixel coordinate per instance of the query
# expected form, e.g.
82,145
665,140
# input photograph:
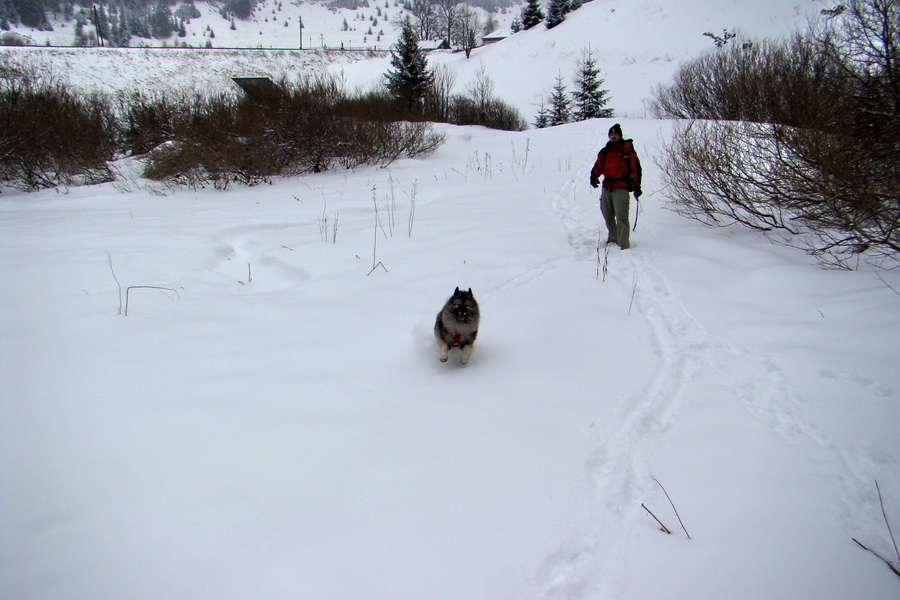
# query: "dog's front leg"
444,349
466,353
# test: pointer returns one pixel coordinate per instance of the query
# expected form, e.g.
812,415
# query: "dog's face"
462,306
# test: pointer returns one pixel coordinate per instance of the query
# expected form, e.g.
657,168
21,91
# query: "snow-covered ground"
276,423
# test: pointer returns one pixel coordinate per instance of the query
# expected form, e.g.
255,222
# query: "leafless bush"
790,82
438,98
864,42
319,125
219,140
52,137
790,180
419,139
11,38
494,113
306,127
479,106
148,120
802,136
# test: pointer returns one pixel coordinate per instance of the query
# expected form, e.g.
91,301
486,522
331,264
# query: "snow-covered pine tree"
543,117
409,79
556,12
590,99
532,14
560,104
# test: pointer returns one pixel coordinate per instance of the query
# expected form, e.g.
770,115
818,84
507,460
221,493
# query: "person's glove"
594,181
637,192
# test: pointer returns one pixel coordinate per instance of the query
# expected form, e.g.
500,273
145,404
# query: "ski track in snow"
592,564
771,399
530,273
615,469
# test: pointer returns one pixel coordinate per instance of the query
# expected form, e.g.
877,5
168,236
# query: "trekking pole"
637,212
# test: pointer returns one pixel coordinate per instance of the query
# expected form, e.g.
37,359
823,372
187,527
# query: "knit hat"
616,129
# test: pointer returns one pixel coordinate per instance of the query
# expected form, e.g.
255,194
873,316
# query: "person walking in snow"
620,167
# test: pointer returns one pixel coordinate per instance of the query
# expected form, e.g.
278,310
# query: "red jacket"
618,163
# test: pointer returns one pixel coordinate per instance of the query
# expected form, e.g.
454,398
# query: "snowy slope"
274,24
637,43
276,424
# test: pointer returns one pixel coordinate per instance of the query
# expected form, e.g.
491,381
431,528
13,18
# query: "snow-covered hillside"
271,421
274,24
638,43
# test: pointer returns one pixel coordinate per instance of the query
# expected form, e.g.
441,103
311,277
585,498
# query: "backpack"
632,179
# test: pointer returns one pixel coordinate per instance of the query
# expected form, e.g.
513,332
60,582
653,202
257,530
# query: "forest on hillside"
118,21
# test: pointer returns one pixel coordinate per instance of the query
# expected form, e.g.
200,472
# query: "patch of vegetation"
798,137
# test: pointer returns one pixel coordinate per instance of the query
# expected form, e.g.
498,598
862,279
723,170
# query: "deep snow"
279,425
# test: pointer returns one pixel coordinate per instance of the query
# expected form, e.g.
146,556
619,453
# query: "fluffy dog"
456,325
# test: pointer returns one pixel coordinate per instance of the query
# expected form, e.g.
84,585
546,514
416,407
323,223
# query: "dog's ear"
470,291
456,292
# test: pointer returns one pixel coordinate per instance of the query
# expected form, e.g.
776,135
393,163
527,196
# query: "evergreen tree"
242,9
557,12
123,33
590,99
32,13
138,25
560,104
81,39
162,23
409,80
543,117
532,14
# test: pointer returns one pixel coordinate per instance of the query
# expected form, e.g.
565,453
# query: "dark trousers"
614,204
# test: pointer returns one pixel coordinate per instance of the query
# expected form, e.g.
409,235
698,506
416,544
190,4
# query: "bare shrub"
480,107
418,139
802,136
494,113
148,120
865,44
789,180
53,137
769,82
306,127
438,97
219,140
382,142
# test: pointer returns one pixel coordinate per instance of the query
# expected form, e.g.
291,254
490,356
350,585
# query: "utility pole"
97,26
301,32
